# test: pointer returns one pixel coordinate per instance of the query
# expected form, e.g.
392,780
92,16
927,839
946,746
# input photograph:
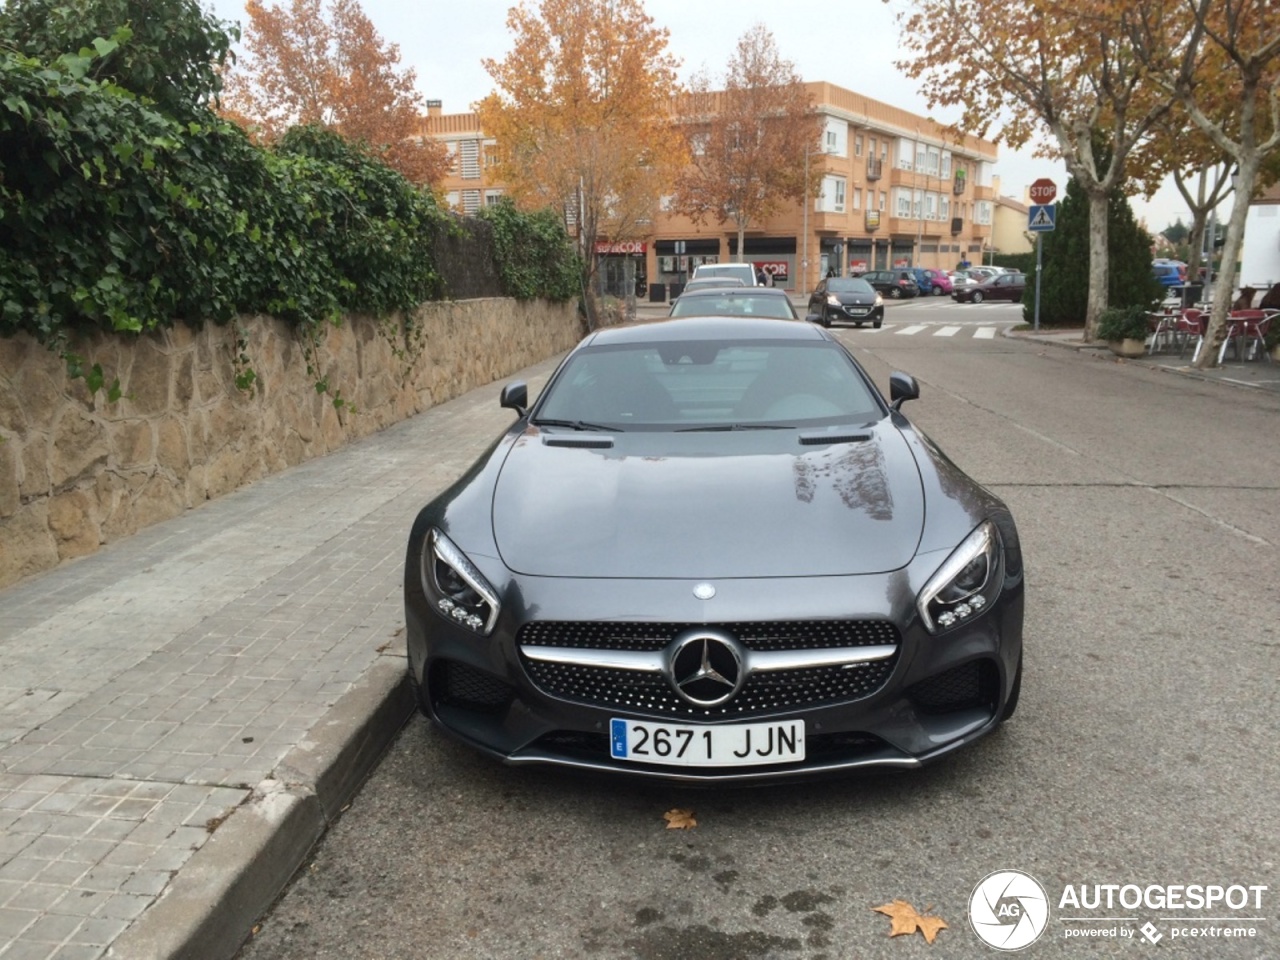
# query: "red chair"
1190,326
1242,331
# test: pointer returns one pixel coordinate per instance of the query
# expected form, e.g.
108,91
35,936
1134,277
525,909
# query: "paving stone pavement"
172,704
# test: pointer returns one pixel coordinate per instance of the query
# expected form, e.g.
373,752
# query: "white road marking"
946,331
985,333
915,328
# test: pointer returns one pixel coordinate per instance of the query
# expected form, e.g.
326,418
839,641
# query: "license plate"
728,745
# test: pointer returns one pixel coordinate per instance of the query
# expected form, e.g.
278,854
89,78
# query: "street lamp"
804,229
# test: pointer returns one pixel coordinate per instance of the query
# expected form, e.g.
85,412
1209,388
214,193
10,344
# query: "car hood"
750,503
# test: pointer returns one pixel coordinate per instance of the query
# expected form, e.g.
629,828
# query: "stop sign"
1043,191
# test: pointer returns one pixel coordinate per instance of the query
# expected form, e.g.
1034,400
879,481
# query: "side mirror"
515,396
902,387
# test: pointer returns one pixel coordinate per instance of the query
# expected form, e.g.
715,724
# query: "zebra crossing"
980,331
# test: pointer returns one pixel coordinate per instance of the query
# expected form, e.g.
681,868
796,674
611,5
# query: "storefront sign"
901,263
778,269
857,266
627,248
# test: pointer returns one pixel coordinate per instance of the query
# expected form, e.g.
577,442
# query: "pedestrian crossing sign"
1041,217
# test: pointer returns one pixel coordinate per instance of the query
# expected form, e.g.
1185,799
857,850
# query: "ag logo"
1008,910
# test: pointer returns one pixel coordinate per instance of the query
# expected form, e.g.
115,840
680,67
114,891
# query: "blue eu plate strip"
618,738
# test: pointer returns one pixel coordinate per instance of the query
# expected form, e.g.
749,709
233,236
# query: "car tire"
826,319
976,297
876,325
895,293
938,291
1011,704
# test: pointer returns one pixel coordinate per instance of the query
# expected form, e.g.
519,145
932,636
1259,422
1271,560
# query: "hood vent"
580,442
814,439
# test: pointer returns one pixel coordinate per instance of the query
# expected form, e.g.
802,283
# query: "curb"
207,912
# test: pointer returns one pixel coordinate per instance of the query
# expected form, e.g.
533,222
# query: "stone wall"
78,471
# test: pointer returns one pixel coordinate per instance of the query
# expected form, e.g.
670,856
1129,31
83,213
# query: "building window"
902,203
469,151
946,164
470,201
857,198
492,197
884,201
490,153
832,198
453,198
857,145
831,141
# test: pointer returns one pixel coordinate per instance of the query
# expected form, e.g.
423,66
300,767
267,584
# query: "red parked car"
1003,286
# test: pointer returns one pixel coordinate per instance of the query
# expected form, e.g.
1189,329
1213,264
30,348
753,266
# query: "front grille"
973,684
462,685
762,694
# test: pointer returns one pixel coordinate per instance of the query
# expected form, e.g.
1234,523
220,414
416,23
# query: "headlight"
833,300
966,583
879,300
455,587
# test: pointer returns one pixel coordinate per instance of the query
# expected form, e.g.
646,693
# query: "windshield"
728,303
849,285
684,385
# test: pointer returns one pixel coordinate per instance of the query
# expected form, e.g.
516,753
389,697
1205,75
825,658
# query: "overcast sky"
852,45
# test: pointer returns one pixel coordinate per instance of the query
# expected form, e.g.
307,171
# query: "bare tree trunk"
742,239
1098,230
1224,288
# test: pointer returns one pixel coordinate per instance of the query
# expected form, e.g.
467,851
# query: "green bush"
1123,323
533,253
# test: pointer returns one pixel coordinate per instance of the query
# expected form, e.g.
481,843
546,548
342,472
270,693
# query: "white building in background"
1260,260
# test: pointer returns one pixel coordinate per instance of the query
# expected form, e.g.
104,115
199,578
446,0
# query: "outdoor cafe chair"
1189,326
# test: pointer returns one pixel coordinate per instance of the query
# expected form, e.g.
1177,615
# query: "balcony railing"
875,168
958,187
957,226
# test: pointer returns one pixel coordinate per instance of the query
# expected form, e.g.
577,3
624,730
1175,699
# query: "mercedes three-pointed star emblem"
705,667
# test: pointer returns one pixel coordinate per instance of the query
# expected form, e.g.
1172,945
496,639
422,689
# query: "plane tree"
581,117
1220,61
750,142
1043,67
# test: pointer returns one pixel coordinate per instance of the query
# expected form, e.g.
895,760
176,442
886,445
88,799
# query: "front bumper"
935,694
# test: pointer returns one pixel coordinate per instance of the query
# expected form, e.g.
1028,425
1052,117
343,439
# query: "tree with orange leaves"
303,67
1065,67
581,115
749,144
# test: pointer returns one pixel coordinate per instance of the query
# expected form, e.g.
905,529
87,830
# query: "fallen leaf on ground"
907,920
680,819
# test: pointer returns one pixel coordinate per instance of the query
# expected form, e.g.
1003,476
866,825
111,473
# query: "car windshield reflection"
709,385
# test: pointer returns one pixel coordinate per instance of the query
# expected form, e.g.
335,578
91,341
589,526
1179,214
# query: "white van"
738,271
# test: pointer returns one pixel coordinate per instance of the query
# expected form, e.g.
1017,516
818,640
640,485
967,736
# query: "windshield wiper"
578,425
737,426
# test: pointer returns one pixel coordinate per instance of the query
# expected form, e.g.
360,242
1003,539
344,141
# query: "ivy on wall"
127,204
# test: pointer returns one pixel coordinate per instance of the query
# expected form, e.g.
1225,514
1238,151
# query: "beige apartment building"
897,190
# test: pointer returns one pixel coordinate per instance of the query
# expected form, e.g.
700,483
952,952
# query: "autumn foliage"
306,66
581,115
748,143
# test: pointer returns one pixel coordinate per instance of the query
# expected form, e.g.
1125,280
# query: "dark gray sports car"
711,551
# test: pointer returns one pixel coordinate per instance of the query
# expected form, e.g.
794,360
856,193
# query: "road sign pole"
1039,261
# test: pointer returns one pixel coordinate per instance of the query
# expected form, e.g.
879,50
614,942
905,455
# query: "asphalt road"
1144,751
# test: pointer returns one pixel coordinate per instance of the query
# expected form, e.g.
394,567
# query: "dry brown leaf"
680,819
906,920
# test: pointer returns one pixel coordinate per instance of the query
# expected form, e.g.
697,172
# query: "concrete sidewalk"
183,712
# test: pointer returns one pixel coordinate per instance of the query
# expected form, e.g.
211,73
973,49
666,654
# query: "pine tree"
1064,280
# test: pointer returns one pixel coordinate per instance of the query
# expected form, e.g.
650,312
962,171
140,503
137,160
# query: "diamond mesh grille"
763,693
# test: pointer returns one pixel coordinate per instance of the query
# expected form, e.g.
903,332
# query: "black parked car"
893,283
1003,286
711,551
847,300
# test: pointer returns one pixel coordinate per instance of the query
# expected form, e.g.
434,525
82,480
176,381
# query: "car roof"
708,328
